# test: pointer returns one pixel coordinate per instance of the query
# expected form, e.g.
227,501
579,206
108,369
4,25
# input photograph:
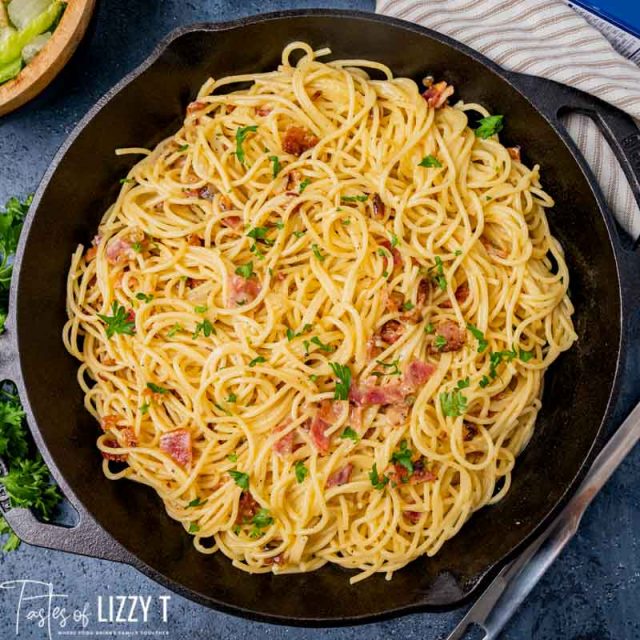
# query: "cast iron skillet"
126,522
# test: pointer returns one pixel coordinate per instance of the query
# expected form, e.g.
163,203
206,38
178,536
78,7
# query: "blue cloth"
592,592
624,13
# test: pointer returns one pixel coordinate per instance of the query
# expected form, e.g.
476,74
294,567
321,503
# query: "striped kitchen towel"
546,38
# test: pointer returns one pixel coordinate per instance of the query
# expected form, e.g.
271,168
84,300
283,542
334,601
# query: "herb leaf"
525,356
261,520
144,296
430,161
120,322
489,126
403,457
343,384
304,184
317,253
276,165
240,478
245,270
205,327
378,481
362,198
479,336
301,471
241,135
349,434
453,403
327,348
172,332
196,502
257,360
156,388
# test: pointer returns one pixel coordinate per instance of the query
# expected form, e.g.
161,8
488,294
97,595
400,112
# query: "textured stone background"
592,592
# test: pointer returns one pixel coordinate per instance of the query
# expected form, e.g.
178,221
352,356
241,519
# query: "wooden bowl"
54,55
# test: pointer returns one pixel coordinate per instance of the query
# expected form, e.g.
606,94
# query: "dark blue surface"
592,592
624,13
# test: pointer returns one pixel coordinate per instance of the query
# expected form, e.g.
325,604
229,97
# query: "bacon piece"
397,256
110,422
378,206
452,333
316,95
129,435
297,140
263,110
242,290
284,446
437,94
91,253
294,178
328,413
421,473
355,417
177,444
397,414
247,507
232,222
340,477
119,250
461,294
196,106
225,203
492,249
194,240
417,374
393,300
116,457
391,331
412,516
423,292
278,560
469,431
514,152
206,193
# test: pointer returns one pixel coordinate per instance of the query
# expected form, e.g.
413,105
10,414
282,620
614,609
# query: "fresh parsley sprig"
343,383
119,322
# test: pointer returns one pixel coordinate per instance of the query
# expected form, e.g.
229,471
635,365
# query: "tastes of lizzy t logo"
38,606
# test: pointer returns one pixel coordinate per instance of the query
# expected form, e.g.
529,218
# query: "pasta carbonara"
316,319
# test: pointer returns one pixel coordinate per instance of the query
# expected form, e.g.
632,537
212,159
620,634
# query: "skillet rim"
15,367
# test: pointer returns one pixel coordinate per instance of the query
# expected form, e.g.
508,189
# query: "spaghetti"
317,318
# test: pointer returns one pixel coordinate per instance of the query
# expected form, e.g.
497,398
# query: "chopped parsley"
382,252
257,360
204,327
391,369
394,240
439,277
144,408
240,478
291,334
301,471
343,384
430,161
489,126
241,135
484,381
525,356
378,481
429,328
440,342
279,224
346,222
261,520
144,296
232,398
479,336
403,457
254,249
276,165
317,253
245,270
156,388
496,357
313,377
120,322
201,308
194,528
349,434
196,502
183,147
453,403
299,234
260,234
126,180
232,457
457,252
172,332
137,247
464,383
407,306
327,348
362,198
304,184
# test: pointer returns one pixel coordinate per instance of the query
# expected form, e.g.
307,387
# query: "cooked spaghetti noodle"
316,320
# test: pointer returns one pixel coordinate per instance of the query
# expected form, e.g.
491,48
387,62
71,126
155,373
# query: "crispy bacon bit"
294,178
412,516
492,249
397,414
233,222
340,477
206,193
177,444
421,473
242,290
355,417
437,94
328,413
284,446
196,106
514,152
378,206
469,431
452,333
391,331
119,250
397,256
417,374
423,293
277,560
316,95
194,240
225,203
116,457
110,422
393,300
109,362
263,110
247,507
297,140
129,435
90,253
461,295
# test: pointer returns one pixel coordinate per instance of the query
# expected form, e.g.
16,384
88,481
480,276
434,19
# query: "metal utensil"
512,585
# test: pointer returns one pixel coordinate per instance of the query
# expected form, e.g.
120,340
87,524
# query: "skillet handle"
86,537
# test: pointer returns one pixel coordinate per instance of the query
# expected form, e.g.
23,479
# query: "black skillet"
126,522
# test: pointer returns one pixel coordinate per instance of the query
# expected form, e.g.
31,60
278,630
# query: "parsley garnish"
346,222
240,478
407,306
430,161
395,371
313,377
194,528
304,184
241,134
453,403
489,126
343,373
137,247
257,360
301,471
172,332
201,308
484,381
457,252
144,408
245,270
429,328
317,253
232,398
276,165
327,348
362,198
394,240
279,224
382,252
496,357
479,336
144,297
525,356
126,180
204,327
260,234
183,147
261,520
403,457
156,388
196,502
378,481
440,342
232,457
349,434
299,234
440,279
120,322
